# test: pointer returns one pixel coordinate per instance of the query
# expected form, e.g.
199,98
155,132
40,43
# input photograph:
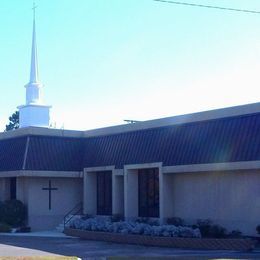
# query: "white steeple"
34,62
34,113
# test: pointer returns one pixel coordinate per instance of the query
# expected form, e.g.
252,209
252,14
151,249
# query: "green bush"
235,234
4,228
207,229
175,221
13,213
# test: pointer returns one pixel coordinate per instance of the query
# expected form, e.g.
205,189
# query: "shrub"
175,221
131,227
23,229
4,228
207,229
13,212
218,231
142,220
117,217
258,229
235,234
204,227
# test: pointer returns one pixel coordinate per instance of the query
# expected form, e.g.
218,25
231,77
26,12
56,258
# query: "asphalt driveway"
58,246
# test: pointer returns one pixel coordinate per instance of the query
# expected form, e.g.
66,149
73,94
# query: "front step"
69,218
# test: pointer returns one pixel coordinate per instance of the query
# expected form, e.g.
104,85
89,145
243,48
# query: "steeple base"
34,115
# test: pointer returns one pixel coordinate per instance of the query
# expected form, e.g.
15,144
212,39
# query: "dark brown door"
104,193
148,187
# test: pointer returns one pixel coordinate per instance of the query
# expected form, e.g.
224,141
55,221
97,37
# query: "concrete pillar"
131,193
117,194
90,193
166,196
21,189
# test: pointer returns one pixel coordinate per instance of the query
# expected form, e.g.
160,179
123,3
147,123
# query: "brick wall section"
184,243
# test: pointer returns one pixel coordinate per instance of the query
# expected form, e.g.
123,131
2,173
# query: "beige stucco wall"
231,199
29,190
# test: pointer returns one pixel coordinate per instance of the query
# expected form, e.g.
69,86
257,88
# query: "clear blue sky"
103,61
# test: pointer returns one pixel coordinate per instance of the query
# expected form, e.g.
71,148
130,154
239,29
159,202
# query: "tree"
13,122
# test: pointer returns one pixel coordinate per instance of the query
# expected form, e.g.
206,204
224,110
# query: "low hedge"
5,228
13,213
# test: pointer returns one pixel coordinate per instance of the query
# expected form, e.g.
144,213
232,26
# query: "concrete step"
59,229
68,219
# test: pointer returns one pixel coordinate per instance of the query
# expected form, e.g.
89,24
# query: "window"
148,187
104,193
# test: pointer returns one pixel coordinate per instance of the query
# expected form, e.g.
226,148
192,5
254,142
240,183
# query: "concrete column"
166,196
131,193
21,189
117,194
90,193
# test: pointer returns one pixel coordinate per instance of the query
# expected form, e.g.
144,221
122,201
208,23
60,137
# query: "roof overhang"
210,167
49,174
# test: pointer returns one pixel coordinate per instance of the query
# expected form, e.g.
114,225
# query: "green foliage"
13,212
13,122
258,229
207,229
235,234
4,228
175,221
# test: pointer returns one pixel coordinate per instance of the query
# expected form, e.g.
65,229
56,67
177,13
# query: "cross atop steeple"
33,8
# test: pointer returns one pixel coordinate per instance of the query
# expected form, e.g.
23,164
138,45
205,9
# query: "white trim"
176,120
33,130
100,168
142,166
229,166
168,121
58,174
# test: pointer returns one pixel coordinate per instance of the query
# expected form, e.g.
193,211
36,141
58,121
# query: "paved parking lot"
50,246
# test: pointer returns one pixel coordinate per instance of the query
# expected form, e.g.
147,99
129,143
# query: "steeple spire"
33,88
34,61
34,112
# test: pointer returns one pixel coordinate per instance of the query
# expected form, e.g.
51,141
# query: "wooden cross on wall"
50,189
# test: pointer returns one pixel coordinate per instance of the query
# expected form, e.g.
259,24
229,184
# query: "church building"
203,165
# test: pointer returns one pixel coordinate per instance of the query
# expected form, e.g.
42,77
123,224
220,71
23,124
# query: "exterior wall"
29,190
231,199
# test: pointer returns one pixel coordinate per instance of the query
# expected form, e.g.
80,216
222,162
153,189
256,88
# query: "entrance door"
104,193
148,187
